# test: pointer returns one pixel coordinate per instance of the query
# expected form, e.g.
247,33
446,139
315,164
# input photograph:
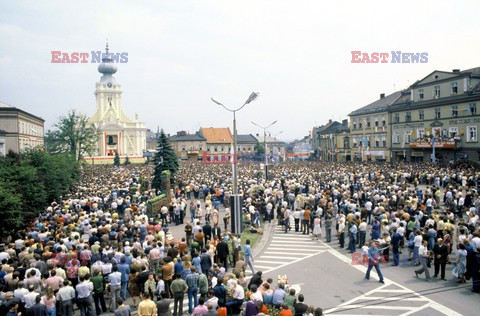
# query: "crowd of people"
102,243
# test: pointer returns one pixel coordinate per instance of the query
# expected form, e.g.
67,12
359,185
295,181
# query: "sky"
297,54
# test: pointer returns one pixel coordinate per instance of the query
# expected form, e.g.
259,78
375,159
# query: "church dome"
107,67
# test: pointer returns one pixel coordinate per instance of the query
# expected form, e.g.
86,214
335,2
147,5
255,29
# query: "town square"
239,158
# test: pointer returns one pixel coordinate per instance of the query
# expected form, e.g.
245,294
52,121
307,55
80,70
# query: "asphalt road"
324,274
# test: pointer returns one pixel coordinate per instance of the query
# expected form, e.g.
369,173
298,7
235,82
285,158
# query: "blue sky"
297,54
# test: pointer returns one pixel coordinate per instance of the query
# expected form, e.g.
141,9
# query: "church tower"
118,133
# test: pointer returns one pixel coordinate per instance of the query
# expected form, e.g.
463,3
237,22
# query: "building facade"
273,146
188,146
441,111
218,140
117,132
333,142
19,130
246,143
369,130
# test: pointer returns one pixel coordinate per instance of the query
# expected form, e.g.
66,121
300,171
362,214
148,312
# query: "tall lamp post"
265,144
236,214
275,138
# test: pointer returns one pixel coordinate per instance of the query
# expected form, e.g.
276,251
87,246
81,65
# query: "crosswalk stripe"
278,257
296,249
291,243
268,261
278,252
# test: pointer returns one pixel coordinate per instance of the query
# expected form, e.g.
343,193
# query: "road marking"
278,257
296,249
430,303
267,261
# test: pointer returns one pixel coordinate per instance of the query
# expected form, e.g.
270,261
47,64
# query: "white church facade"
117,132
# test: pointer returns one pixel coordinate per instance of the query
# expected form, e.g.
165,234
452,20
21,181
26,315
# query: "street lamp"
275,139
265,144
236,212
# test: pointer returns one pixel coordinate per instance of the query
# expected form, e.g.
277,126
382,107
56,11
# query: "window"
421,115
223,148
2,149
396,117
437,113
208,148
436,92
183,148
408,116
454,110
472,108
384,141
452,132
377,141
376,122
454,88
360,124
200,148
396,138
215,149
368,122
420,133
420,94
368,141
249,149
354,142
471,134
407,137
383,121
354,125
346,143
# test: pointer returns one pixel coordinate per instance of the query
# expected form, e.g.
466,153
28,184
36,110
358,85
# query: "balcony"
442,143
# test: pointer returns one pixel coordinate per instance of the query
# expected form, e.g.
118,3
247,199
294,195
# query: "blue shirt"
124,269
278,296
373,255
247,251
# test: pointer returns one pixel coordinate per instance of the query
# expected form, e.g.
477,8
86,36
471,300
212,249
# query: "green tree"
116,160
10,209
165,159
259,148
73,135
127,161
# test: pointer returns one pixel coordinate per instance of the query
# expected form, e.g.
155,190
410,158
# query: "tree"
10,209
74,135
127,161
259,149
165,159
116,160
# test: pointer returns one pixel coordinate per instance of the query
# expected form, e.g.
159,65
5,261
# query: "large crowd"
102,243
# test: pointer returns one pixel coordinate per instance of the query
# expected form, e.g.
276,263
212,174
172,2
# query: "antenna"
106,46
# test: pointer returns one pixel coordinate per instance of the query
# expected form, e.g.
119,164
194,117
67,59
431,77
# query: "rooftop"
379,105
217,135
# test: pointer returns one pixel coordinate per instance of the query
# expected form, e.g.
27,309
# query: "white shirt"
418,240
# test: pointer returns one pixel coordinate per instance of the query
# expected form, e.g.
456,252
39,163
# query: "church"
117,132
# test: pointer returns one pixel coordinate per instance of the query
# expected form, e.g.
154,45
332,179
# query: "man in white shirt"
417,242
424,255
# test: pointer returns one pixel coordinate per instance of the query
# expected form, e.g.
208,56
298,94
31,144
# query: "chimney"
382,95
181,133
345,122
329,121
257,135
456,70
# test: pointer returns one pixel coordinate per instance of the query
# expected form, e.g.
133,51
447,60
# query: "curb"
262,243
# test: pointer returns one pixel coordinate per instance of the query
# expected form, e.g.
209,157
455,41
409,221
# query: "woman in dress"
461,268
317,229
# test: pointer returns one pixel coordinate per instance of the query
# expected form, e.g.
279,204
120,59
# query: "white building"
118,133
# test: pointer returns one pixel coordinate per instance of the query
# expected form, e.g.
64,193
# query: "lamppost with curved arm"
236,212
265,144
